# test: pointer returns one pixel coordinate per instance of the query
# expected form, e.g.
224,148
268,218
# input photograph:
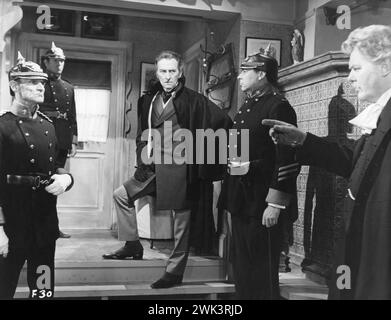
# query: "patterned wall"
324,102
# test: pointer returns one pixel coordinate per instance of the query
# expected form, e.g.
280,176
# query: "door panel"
87,204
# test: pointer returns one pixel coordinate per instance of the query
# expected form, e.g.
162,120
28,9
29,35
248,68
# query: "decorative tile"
323,108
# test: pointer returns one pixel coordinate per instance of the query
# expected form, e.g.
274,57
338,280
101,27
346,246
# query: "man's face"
55,65
168,73
249,79
366,77
29,90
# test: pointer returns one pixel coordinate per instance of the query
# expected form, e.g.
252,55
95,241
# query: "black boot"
167,281
64,235
131,249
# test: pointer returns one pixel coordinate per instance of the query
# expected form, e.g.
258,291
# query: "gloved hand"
60,183
3,243
238,168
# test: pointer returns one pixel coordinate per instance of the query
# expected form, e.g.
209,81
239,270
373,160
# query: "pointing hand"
285,133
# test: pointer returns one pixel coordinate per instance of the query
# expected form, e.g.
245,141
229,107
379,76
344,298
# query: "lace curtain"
92,109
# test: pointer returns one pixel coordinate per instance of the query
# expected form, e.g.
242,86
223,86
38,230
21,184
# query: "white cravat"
367,119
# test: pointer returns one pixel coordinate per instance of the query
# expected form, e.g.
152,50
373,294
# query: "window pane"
88,74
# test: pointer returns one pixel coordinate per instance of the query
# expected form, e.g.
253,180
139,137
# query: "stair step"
131,271
302,289
207,289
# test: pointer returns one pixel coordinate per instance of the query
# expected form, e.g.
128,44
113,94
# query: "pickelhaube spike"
268,50
55,52
20,58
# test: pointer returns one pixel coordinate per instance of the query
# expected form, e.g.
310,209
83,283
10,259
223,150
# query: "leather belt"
35,181
56,114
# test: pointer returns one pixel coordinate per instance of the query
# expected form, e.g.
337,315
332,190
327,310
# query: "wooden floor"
92,244
82,272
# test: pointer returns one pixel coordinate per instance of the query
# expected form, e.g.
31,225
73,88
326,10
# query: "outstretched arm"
312,150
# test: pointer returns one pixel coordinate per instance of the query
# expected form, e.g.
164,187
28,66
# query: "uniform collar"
54,76
23,111
261,91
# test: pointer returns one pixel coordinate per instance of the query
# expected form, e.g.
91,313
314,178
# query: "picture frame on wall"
147,77
99,26
62,22
255,45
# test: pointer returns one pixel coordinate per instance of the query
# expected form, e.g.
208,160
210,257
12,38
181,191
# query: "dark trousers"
255,258
40,271
124,198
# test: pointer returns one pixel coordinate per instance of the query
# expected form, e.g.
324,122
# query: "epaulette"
67,81
279,95
42,115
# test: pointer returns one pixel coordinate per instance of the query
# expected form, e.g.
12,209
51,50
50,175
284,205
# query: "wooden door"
100,166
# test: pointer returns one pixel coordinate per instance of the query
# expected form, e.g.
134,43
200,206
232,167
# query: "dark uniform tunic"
59,106
27,148
271,178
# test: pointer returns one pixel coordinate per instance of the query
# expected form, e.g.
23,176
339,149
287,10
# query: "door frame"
119,53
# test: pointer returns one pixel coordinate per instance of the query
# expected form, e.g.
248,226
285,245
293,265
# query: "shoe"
64,235
167,281
125,253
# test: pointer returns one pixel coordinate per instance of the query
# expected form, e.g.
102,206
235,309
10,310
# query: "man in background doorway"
59,106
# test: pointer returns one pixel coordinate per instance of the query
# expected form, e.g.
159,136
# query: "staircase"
295,286
82,273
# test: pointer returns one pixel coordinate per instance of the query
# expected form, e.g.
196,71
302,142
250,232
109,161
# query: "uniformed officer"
30,181
59,103
257,191
59,106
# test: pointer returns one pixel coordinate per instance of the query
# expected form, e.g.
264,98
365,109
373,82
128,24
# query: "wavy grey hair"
373,41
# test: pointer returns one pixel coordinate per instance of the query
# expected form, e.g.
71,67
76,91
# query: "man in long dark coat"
363,256
30,181
167,109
